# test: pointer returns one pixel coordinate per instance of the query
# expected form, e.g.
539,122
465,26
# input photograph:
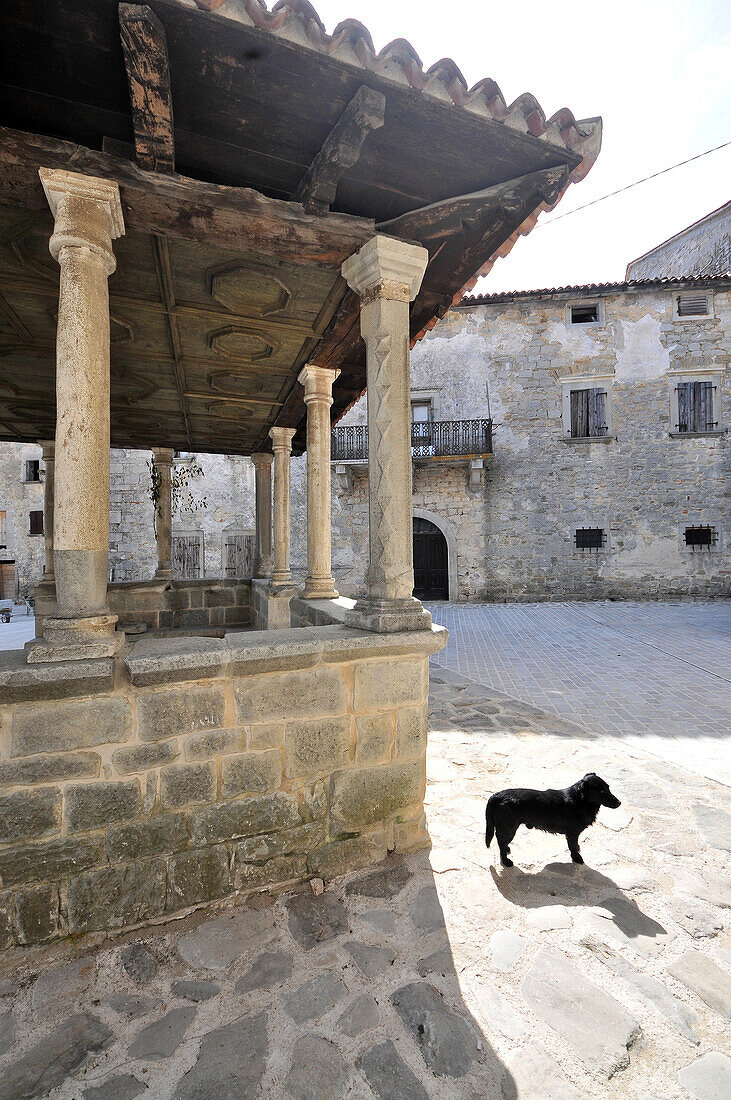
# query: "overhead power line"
542,225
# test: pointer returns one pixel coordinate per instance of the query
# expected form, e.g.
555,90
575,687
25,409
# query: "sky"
657,71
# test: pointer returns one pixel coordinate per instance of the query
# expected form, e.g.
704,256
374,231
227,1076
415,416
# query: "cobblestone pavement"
655,675
439,975
18,631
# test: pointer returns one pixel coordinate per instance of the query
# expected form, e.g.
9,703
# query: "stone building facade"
510,529
703,248
21,512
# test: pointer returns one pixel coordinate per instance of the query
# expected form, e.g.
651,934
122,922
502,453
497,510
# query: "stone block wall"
704,248
206,767
192,604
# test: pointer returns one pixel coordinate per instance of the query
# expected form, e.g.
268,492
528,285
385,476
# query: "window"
36,523
420,412
584,314
590,538
588,413
695,407
32,470
691,305
701,537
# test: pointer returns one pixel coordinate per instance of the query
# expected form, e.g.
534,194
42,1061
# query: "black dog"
569,811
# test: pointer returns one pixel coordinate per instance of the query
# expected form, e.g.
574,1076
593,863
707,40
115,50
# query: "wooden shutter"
703,395
597,412
579,414
36,523
186,556
238,556
684,391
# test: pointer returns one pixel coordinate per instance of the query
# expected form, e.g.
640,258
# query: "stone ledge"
20,682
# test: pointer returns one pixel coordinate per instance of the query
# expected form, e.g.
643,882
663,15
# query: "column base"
76,640
282,588
389,616
163,574
319,588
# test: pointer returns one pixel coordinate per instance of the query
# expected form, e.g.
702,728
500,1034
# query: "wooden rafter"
340,150
163,267
148,72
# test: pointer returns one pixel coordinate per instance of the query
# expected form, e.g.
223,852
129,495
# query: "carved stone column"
282,446
88,217
163,457
387,274
263,514
49,448
318,383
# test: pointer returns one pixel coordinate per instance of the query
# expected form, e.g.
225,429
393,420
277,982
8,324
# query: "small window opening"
695,407
36,523
584,315
702,536
692,305
32,470
588,413
590,538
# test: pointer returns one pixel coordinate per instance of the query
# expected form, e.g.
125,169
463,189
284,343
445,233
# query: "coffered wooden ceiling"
254,153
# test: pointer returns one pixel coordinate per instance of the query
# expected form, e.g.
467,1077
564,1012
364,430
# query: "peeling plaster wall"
18,499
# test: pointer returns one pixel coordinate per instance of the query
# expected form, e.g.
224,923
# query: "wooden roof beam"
340,150
148,72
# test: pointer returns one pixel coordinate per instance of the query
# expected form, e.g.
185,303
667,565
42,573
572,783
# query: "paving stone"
706,885
161,1038
536,1076
371,961
714,825
506,948
709,1078
139,962
58,1055
631,921
561,996
58,989
389,1076
125,1005
706,978
231,1063
548,917
270,969
360,1016
426,911
448,1044
196,991
215,944
700,924
386,883
439,962
495,1010
7,1031
381,919
317,1070
123,1087
314,998
652,992
314,920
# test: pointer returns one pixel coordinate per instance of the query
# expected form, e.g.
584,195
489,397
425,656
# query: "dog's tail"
489,823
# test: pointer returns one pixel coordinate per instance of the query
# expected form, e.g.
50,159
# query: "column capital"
262,458
164,456
48,449
386,268
282,439
87,210
318,382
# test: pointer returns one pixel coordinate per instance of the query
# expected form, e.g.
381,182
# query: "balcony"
463,440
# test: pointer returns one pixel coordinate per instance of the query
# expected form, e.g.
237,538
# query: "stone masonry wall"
702,249
18,499
209,766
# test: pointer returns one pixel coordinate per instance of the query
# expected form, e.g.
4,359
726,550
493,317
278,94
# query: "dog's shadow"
575,884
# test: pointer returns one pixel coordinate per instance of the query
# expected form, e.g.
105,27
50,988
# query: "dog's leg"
573,843
504,837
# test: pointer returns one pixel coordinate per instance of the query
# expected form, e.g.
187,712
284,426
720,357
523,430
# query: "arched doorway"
431,565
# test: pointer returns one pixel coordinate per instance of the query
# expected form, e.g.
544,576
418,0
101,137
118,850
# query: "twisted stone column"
282,446
163,457
318,383
387,274
49,448
263,514
88,216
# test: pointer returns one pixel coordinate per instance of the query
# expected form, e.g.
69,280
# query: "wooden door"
238,556
186,556
431,577
7,580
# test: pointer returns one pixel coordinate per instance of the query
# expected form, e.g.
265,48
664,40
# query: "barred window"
701,536
590,538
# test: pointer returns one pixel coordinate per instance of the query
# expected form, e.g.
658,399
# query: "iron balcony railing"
429,439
